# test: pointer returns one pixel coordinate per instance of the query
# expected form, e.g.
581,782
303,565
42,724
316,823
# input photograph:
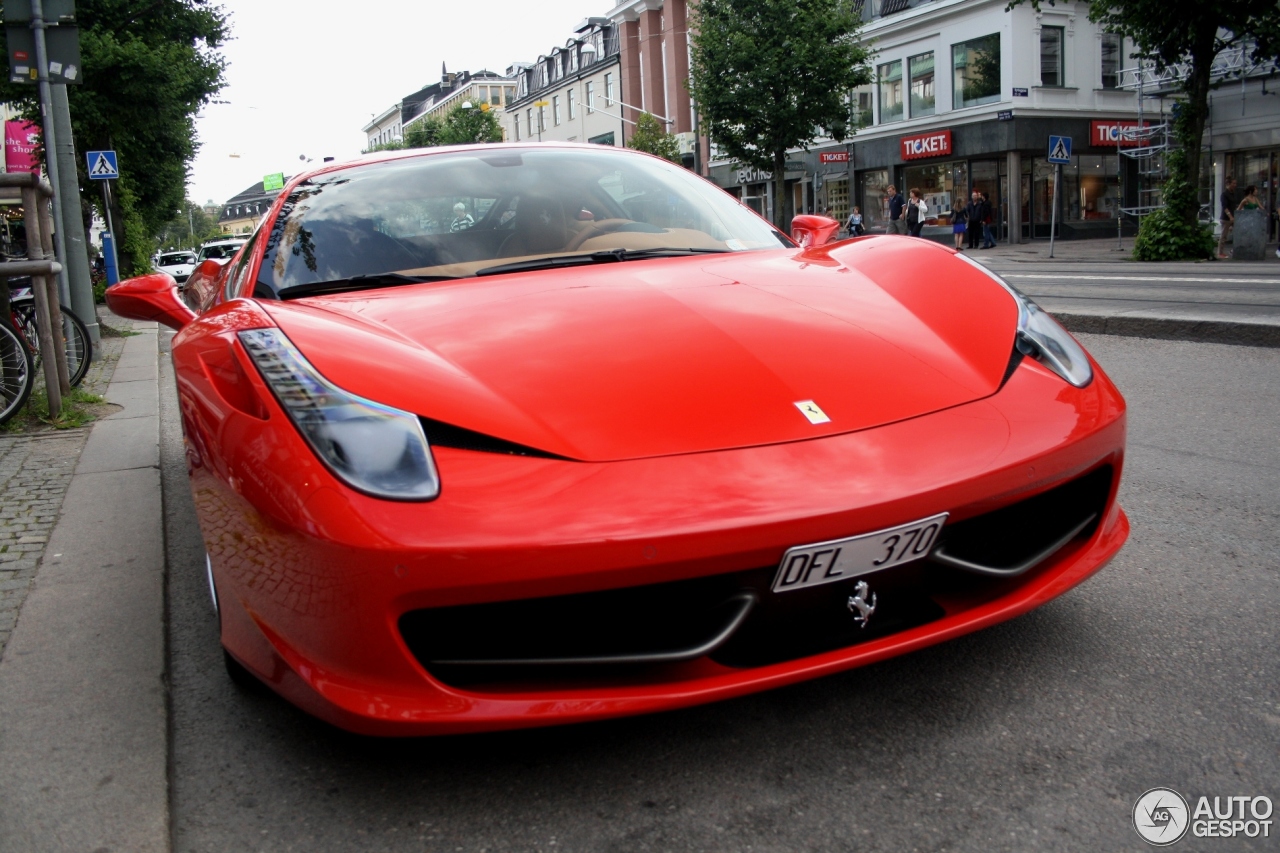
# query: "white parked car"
180,265
220,250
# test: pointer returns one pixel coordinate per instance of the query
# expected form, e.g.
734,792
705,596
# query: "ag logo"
1161,817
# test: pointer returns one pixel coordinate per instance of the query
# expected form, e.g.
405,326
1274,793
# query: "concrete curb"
83,716
1174,329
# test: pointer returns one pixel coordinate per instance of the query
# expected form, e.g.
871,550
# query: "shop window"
602,139
977,71
861,112
890,77
1112,50
1051,71
871,192
838,199
939,184
920,69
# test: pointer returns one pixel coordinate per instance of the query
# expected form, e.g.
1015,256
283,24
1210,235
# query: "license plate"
841,559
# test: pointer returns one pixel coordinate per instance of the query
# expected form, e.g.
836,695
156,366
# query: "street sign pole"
1053,216
109,246
77,249
50,142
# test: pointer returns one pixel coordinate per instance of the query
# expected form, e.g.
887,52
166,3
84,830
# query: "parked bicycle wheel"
17,373
74,335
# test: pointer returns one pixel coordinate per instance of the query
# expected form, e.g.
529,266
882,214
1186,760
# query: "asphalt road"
1037,734
1215,291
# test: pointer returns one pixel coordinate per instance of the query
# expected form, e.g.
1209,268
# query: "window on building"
528,115
517,123
1051,57
1112,51
495,96
555,109
890,77
920,69
540,76
608,90
977,71
557,66
573,108
591,97
571,58
596,53
509,93
862,113
542,119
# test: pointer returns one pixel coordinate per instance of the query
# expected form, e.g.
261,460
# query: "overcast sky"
304,76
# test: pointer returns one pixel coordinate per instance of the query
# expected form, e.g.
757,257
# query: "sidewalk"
82,693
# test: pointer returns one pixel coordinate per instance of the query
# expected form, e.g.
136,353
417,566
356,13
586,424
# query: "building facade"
240,213
573,93
965,97
453,89
383,128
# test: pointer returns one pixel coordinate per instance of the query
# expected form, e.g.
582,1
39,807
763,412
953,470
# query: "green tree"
188,228
772,75
652,138
1188,33
148,67
466,124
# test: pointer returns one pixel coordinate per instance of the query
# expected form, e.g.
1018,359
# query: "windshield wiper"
357,282
608,256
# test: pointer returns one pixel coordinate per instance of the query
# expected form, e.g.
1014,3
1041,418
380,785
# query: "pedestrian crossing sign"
102,165
1059,149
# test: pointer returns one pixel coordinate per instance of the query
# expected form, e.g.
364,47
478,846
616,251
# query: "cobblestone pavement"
35,470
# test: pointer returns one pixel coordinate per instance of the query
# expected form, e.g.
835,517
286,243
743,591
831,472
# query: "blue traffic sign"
102,165
1059,149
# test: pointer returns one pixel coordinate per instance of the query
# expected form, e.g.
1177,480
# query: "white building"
573,93
965,97
384,128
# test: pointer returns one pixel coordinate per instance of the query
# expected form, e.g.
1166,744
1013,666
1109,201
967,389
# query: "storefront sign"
1021,93
926,145
20,141
1107,134
753,176
834,157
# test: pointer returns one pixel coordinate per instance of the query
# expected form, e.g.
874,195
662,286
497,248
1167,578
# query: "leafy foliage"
148,67
190,220
1167,235
771,75
652,138
1167,32
459,126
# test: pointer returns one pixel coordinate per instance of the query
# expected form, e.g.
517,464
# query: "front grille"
640,633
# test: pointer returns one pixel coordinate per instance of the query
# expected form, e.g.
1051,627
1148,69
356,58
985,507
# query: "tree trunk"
781,201
1190,125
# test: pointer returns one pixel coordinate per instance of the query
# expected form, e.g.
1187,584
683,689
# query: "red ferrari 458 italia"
518,435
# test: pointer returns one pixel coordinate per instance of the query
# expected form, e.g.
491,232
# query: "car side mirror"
150,297
810,230
209,268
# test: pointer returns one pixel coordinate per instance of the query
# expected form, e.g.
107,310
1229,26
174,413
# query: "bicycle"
75,334
17,373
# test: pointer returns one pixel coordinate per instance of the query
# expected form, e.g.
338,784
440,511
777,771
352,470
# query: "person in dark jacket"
973,211
897,222
988,217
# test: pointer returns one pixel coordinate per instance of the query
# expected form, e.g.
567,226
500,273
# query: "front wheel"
75,337
17,373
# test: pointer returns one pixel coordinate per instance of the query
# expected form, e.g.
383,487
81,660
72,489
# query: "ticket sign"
926,145
833,157
1107,134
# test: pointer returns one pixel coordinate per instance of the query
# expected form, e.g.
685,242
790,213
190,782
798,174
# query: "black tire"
75,335
17,373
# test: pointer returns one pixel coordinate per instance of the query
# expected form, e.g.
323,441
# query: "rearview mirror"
809,230
150,297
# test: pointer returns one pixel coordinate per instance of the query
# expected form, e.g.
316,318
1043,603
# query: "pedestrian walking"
917,210
959,220
988,218
974,211
855,222
1228,201
897,204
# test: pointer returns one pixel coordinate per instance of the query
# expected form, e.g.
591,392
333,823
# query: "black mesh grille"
780,626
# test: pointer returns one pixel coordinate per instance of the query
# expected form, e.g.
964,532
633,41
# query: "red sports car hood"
648,358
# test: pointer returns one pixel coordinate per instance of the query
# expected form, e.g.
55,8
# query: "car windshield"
219,251
498,208
175,258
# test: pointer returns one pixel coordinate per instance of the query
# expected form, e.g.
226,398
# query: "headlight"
1041,337
374,448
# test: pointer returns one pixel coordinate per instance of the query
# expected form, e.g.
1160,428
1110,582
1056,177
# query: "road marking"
1143,278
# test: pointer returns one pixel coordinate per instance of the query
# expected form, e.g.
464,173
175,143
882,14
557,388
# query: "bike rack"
42,266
